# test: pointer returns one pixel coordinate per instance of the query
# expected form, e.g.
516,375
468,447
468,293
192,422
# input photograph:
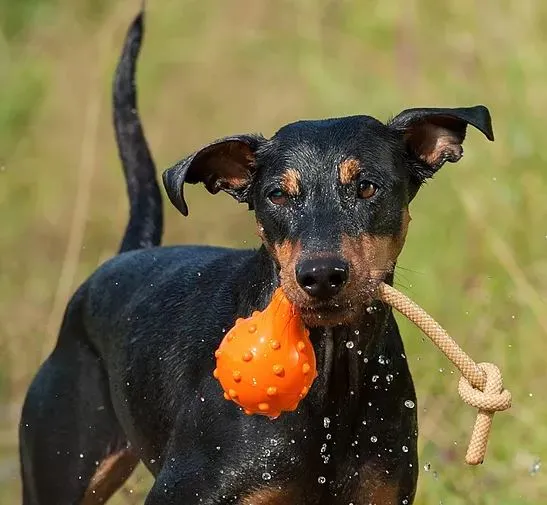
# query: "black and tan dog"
130,378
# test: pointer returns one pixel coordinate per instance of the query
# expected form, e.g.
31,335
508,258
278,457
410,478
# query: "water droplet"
152,461
349,344
273,441
389,377
405,448
427,467
356,332
405,502
373,439
81,455
326,422
329,436
365,360
375,378
381,360
323,448
218,448
536,466
321,480
409,404
266,476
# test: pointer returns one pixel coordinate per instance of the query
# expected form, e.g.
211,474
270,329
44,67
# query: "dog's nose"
322,277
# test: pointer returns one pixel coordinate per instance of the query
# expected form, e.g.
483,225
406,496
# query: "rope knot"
490,399
481,385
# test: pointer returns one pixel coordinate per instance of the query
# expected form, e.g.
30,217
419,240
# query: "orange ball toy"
266,363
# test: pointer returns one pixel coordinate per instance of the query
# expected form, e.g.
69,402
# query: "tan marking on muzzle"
287,254
113,471
348,170
371,256
290,182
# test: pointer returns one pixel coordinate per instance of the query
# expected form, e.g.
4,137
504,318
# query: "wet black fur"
134,360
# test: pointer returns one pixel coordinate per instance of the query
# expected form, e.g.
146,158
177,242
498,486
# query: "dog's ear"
227,164
435,136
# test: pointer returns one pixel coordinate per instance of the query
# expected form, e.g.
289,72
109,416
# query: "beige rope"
480,386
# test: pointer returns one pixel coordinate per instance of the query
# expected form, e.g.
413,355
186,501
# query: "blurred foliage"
476,252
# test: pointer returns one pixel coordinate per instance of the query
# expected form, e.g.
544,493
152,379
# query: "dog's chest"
333,465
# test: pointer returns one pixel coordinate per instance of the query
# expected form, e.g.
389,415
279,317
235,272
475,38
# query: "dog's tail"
145,225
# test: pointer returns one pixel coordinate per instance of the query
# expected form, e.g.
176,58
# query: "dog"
131,376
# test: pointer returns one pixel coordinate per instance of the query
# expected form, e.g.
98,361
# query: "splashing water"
536,467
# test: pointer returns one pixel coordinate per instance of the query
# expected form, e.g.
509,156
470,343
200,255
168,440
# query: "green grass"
476,252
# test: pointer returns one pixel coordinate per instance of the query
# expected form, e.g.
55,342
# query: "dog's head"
331,197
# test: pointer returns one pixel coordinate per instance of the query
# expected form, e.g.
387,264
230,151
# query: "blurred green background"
476,253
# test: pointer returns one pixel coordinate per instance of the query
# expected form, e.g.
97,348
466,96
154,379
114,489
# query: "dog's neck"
345,354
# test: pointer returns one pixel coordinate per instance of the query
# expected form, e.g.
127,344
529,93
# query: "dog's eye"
278,197
366,189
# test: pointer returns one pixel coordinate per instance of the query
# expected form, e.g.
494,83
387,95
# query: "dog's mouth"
337,311
327,314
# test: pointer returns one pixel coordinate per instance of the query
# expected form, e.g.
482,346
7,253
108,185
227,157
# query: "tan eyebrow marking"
290,182
348,170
